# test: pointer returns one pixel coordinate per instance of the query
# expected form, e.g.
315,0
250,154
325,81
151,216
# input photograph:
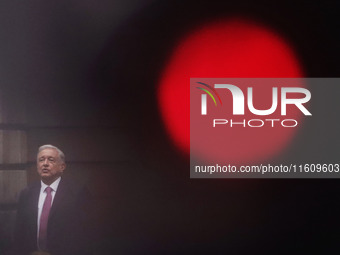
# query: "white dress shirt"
42,197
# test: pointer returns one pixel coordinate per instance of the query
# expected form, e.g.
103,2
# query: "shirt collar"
54,185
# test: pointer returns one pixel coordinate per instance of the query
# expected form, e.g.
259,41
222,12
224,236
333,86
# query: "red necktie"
44,218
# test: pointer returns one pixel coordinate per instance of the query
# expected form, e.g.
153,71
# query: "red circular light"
232,48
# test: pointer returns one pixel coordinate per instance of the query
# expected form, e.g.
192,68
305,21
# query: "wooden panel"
13,146
11,183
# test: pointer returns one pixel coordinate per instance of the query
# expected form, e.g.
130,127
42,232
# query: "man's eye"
51,160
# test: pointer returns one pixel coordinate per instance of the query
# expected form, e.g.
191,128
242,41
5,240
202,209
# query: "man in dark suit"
54,214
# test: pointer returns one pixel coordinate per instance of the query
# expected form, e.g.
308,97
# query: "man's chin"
46,178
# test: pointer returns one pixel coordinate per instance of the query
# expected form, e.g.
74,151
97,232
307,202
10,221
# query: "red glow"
232,48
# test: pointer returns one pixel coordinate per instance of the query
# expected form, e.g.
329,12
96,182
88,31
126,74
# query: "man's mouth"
45,170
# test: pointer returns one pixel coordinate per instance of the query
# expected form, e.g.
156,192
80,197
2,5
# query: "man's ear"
63,166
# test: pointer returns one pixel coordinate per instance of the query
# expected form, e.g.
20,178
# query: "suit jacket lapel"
34,198
33,208
59,197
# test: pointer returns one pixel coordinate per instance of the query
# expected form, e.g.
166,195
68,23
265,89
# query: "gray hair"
49,146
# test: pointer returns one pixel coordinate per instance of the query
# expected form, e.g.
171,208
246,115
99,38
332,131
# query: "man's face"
49,165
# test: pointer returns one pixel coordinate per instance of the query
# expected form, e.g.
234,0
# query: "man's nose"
45,162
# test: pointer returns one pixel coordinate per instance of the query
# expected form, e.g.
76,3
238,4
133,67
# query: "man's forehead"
48,152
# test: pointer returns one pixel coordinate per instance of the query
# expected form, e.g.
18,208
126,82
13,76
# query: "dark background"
82,75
